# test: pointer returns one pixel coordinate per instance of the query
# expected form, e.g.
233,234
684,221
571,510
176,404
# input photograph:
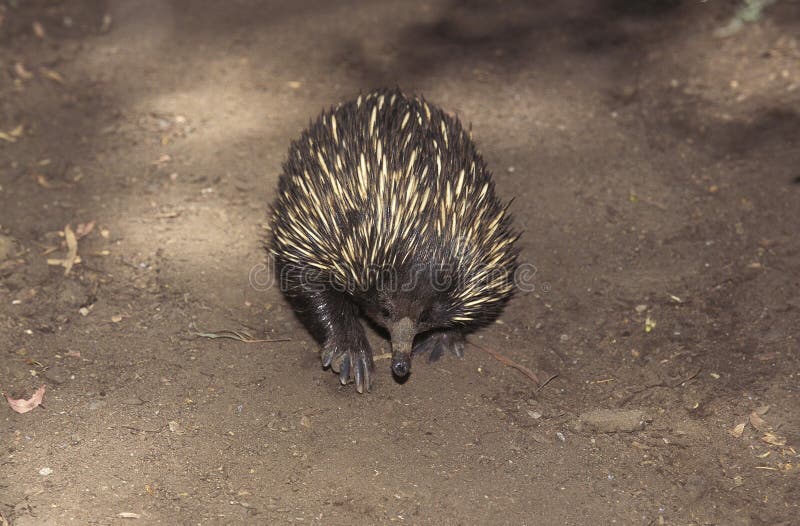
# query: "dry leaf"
767,356
105,25
116,318
52,75
23,406
84,229
42,181
73,354
72,249
738,430
128,515
17,132
761,411
22,72
759,423
773,439
38,29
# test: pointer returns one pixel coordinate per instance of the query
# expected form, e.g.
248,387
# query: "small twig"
241,336
547,381
667,385
138,430
511,363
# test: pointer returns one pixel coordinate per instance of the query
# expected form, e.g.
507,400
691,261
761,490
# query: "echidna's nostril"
401,367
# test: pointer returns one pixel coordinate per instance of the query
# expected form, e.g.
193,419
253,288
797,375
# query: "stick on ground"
241,336
511,363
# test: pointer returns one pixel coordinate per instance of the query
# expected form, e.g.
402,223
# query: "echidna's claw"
350,365
344,369
363,371
327,355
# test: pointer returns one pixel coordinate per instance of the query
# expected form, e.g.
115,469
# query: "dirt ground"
656,169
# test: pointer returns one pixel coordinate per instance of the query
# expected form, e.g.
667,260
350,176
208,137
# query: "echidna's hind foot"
439,342
352,360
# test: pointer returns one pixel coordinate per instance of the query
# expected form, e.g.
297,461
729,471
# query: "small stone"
56,374
612,421
45,472
641,308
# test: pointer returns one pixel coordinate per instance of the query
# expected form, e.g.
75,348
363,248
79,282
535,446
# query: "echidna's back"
384,180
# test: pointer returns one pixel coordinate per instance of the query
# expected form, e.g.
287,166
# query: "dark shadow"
507,36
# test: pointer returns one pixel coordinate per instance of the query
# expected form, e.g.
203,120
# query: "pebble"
612,421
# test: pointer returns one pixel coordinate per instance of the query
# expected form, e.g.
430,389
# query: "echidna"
385,208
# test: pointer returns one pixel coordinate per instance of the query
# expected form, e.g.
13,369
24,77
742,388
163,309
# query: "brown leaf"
759,423
22,72
23,406
773,439
738,430
38,29
72,249
42,181
52,75
84,229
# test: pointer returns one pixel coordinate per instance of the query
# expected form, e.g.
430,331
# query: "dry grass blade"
241,336
72,249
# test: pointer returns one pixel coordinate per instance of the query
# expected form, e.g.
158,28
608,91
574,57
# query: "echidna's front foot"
439,342
351,363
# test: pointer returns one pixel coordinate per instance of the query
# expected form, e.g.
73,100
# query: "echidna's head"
422,297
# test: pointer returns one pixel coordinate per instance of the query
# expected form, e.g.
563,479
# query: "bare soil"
656,173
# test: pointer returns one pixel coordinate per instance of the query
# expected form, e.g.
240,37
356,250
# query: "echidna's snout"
401,368
402,333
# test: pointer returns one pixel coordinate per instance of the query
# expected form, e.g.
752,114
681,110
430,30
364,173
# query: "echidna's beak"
402,333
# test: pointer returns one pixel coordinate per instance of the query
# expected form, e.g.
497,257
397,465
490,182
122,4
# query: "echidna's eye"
385,312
